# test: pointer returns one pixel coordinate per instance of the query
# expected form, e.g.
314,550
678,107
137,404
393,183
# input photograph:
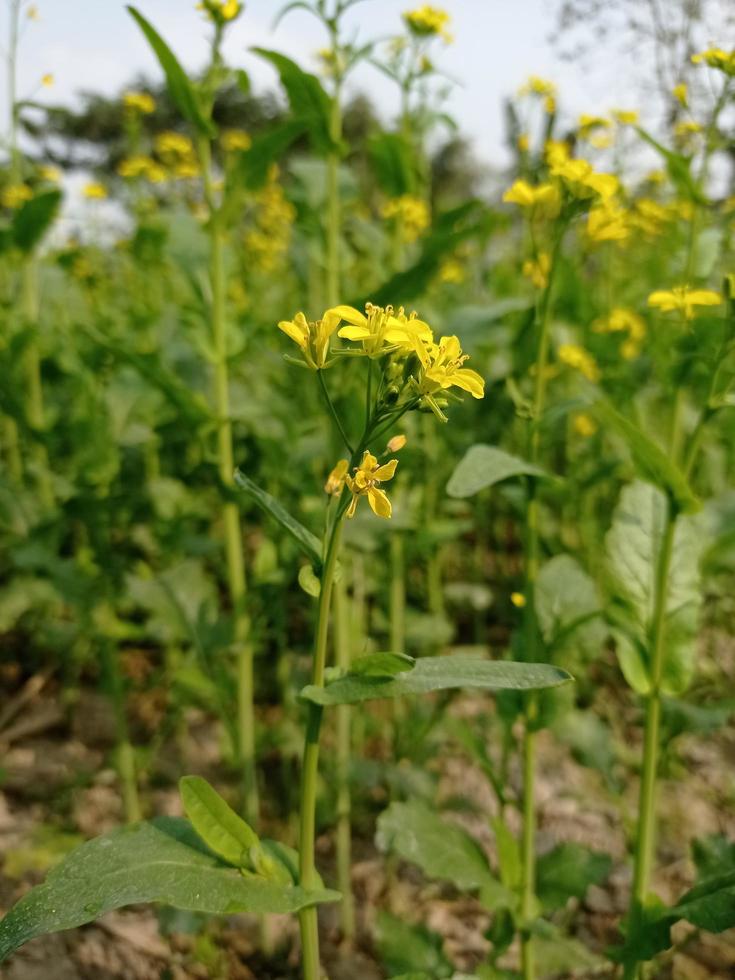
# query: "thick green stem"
344,756
230,514
307,835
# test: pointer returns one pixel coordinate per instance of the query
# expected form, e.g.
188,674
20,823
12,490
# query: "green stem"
307,834
344,755
230,514
34,404
125,757
333,201
333,413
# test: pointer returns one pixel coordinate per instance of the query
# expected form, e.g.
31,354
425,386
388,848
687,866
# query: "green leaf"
310,581
158,861
439,674
651,462
216,822
484,466
382,664
32,220
179,87
392,163
410,949
309,102
308,541
569,612
567,872
441,849
509,855
632,550
709,905
679,168
253,165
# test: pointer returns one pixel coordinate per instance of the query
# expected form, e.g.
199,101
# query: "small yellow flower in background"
95,191
622,320
380,329
584,425
312,336
556,151
523,143
681,93
411,213
583,181
173,144
139,102
396,444
626,117
366,482
601,141
452,271
142,166
630,349
656,176
683,300
50,174
428,21
236,140
607,223
443,367
587,124
537,270
185,170
544,200
336,479
648,216
14,195
220,10
575,356
681,209
716,58
47,80
32,13
518,599
686,128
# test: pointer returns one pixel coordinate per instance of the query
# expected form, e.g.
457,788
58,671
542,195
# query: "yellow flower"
630,349
601,141
428,21
336,479
538,86
626,117
588,123
14,195
411,213
171,143
556,152
47,80
518,599
686,128
681,93
716,58
380,330
442,367
220,10
365,482
50,174
607,223
682,299
620,320
235,140
396,444
32,13
186,169
584,425
230,9
648,215
543,200
523,143
537,270
582,181
139,102
312,336
452,271
577,357
141,166
95,191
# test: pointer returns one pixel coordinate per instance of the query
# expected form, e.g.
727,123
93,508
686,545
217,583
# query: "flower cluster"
428,21
542,88
621,320
410,213
581,360
723,61
220,11
139,102
267,242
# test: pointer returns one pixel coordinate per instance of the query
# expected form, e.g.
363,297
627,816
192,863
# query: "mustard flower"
410,213
139,102
47,80
442,367
681,93
396,444
625,117
366,482
428,21
380,329
312,336
452,271
95,191
582,181
236,140
607,223
15,195
584,425
575,356
336,479
537,270
723,61
543,201
683,300
220,10
518,599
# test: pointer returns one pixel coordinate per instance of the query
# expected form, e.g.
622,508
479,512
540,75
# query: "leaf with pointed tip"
158,861
179,87
483,466
308,541
32,220
215,821
383,664
438,674
253,165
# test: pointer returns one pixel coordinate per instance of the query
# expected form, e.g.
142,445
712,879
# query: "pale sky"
95,45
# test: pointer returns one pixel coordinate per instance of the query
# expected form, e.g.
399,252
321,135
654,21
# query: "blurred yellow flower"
607,222
141,166
523,143
587,124
544,200
584,425
236,140
32,12
95,191
410,212
336,479
681,93
14,195
537,270
171,143
556,152
312,336
683,300
428,21
582,181
518,599
220,10
47,80
621,319
626,117
366,482
50,174
717,58
139,102
575,356
687,127
452,271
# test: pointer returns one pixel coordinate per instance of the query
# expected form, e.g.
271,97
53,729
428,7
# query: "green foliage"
32,220
414,951
308,542
567,871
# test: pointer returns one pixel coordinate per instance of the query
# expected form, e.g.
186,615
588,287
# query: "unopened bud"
396,443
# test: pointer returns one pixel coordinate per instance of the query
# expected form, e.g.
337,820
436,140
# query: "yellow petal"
470,381
663,299
704,297
353,333
348,313
353,506
294,332
379,502
386,471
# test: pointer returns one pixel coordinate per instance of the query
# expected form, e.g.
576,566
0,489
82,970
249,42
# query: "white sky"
94,45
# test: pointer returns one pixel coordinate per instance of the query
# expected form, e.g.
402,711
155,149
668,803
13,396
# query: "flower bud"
396,443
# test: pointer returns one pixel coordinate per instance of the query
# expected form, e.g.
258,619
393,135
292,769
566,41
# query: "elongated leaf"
179,87
483,466
308,541
679,168
392,162
415,951
569,612
253,165
633,545
307,98
33,219
441,849
216,822
567,872
382,664
650,460
439,674
158,861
